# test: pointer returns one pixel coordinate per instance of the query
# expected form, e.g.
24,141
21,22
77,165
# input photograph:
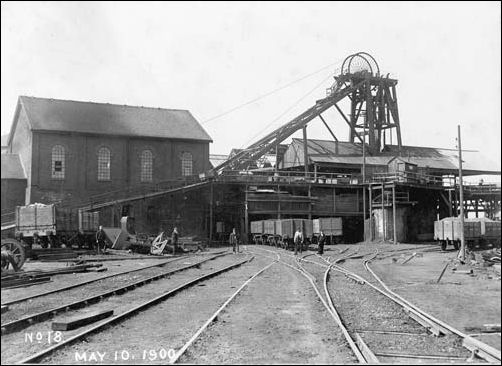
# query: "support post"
450,206
371,210
246,218
310,202
334,200
364,179
461,186
394,212
211,199
383,213
305,152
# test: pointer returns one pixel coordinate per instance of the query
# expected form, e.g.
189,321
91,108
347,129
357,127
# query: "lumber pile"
23,282
53,254
42,274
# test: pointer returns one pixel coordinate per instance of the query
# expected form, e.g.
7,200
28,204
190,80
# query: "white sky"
210,57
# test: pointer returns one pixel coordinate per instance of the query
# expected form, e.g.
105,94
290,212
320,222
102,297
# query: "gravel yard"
277,318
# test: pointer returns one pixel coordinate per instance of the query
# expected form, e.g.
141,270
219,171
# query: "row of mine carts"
54,227
478,232
281,232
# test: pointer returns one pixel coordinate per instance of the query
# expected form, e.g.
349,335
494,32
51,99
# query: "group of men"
299,240
233,240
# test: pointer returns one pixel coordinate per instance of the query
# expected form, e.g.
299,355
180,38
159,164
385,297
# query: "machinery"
13,254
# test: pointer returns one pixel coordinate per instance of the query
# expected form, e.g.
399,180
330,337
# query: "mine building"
62,150
154,165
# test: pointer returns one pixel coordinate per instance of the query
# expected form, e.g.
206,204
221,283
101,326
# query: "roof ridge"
102,103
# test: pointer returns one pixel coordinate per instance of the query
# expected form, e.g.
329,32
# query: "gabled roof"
445,160
12,168
111,119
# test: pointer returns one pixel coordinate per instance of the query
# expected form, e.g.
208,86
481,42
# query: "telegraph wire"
269,93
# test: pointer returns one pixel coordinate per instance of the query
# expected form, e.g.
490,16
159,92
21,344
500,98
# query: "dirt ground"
277,319
460,300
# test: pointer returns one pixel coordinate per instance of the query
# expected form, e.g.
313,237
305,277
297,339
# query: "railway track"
385,309
214,316
131,312
46,314
83,283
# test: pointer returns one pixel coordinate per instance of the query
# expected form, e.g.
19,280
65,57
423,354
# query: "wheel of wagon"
16,250
443,244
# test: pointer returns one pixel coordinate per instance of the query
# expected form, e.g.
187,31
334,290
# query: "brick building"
69,149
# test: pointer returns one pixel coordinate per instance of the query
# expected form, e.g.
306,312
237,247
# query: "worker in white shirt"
298,239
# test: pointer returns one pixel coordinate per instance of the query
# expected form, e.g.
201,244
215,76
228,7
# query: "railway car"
477,232
49,225
330,226
257,232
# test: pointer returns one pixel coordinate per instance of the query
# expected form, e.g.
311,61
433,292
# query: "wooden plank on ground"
81,320
25,283
365,350
485,328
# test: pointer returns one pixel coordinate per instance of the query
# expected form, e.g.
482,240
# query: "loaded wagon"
330,226
281,232
479,231
257,232
49,225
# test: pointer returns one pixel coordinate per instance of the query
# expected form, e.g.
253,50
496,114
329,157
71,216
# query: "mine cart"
330,226
257,232
477,232
49,225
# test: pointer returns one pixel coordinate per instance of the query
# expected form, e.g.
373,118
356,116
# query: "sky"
211,57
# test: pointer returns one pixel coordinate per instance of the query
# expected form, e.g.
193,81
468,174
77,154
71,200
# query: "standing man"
298,239
234,241
322,240
174,239
100,238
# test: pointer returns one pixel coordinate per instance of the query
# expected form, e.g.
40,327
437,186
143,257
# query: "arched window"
186,164
104,158
58,162
146,166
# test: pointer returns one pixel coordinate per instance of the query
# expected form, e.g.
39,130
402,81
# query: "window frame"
58,154
104,174
146,166
184,161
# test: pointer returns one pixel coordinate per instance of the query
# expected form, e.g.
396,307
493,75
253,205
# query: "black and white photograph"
283,182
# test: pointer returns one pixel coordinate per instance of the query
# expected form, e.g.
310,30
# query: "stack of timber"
23,282
33,275
51,254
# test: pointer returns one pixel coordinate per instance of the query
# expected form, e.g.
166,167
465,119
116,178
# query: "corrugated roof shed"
111,119
12,168
332,152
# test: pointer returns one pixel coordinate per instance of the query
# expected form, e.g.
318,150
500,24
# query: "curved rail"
211,319
484,350
329,308
40,355
44,315
349,339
